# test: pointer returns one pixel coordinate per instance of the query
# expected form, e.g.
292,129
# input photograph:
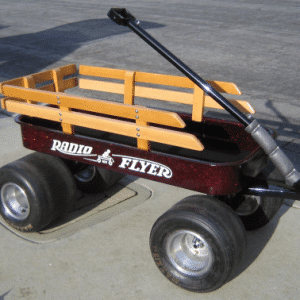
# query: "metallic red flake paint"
206,177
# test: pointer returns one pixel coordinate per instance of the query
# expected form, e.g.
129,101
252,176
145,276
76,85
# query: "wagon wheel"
34,191
198,243
256,211
90,179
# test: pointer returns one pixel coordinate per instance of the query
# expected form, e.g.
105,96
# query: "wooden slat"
29,83
17,82
67,128
3,100
142,143
68,70
240,104
165,95
102,86
129,88
47,75
33,110
225,87
42,76
50,87
58,81
198,104
98,106
163,79
184,82
102,72
158,135
68,84
169,137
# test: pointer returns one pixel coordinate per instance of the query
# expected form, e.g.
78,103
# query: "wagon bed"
197,150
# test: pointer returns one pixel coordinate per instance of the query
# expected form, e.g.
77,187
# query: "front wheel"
34,191
198,243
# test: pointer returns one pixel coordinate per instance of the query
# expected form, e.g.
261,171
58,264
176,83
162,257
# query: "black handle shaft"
123,17
292,177
206,87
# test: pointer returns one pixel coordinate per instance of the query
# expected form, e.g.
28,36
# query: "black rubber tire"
48,185
260,215
219,227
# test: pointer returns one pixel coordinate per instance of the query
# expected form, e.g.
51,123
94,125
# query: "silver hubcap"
14,201
87,174
249,205
189,252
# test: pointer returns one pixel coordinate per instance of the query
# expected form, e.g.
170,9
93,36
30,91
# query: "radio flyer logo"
131,163
145,166
105,158
72,148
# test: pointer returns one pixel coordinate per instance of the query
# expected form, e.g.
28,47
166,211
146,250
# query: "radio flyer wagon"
82,142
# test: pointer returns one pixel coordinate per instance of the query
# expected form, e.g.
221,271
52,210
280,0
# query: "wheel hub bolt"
197,243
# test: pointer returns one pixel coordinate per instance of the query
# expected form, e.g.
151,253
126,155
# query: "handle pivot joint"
121,16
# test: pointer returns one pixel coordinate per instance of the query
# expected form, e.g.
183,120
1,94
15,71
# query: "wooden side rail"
57,84
140,129
131,88
31,81
23,96
144,132
93,105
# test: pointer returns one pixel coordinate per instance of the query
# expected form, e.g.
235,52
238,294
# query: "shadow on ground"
29,53
258,239
2,297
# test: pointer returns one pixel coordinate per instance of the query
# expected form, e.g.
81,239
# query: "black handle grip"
120,15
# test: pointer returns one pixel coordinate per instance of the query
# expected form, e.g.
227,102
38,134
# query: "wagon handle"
292,177
121,16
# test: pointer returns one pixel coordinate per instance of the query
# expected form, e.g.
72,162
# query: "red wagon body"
230,154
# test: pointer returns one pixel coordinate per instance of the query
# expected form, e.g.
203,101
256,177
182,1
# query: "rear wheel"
90,179
198,243
256,211
34,191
